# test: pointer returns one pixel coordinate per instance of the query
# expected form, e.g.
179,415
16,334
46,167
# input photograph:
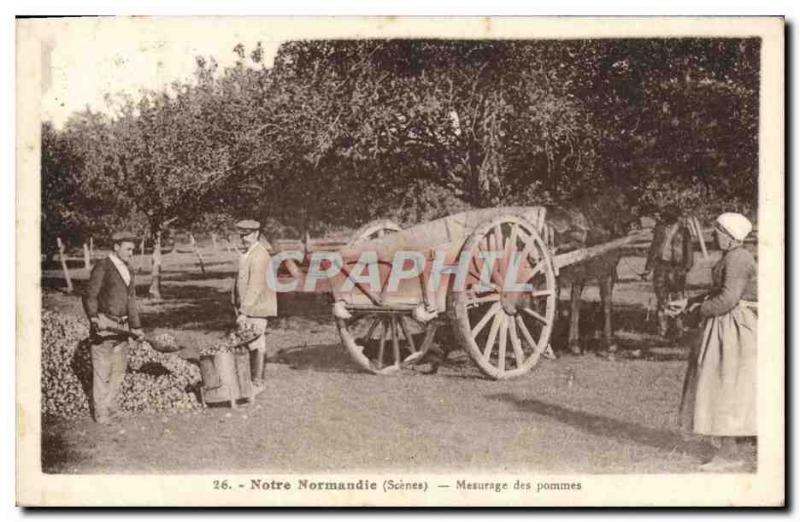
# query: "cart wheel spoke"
501,355
529,273
382,344
516,345
485,319
526,334
498,237
524,258
499,246
409,340
489,346
528,253
372,327
535,315
489,296
495,278
395,342
430,334
510,248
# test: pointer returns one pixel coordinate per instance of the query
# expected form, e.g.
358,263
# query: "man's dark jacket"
107,293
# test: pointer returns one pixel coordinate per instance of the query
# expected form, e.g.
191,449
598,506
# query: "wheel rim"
382,342
505,331
373,230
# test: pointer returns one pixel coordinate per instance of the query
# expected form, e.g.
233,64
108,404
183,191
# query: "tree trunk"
155,284
63,260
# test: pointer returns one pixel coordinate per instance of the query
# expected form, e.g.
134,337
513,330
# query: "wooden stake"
63,259
155,284
702,239
197,251
690,225
87,258
141,256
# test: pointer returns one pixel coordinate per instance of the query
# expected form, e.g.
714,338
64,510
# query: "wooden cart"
504,331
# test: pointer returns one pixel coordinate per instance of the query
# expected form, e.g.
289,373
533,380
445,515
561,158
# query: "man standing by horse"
669,260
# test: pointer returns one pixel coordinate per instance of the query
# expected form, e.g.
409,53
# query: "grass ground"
320,413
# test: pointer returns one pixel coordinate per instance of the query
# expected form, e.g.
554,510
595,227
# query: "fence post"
63,259
155,284
197,251
87,258
702,239
141,256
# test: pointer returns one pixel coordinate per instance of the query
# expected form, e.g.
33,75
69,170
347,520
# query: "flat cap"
124,235
248,224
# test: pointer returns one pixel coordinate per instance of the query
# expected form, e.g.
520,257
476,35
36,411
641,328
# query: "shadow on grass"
179,275
328,358
634,330
621,431
631,318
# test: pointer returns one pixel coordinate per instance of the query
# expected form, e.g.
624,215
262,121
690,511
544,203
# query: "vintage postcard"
271,261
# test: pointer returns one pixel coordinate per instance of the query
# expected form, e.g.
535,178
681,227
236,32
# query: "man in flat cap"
110,303
253,300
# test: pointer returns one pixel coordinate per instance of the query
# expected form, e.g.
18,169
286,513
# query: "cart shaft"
576,256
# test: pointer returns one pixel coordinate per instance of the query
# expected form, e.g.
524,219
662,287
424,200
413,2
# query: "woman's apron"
719,392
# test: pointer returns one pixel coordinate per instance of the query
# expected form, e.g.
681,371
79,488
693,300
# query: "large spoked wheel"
374,229
383,342
503,325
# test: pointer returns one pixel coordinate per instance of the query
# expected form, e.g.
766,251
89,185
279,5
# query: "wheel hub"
510,301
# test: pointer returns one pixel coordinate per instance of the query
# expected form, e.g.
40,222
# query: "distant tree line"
336,133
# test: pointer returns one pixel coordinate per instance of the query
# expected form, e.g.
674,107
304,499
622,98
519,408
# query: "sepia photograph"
400,261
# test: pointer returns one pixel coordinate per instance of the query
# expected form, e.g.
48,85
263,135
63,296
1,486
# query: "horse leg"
574,316
606,291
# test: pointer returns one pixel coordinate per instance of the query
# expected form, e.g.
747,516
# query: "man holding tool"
110,304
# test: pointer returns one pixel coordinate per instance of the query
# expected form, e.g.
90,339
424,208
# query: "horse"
583,223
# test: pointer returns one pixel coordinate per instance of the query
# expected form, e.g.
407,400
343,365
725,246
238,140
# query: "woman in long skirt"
719,393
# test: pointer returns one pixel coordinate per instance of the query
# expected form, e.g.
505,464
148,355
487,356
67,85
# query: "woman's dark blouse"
735,279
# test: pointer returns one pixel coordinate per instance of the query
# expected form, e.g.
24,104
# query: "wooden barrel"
243,377
208,373
226,377
225,364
